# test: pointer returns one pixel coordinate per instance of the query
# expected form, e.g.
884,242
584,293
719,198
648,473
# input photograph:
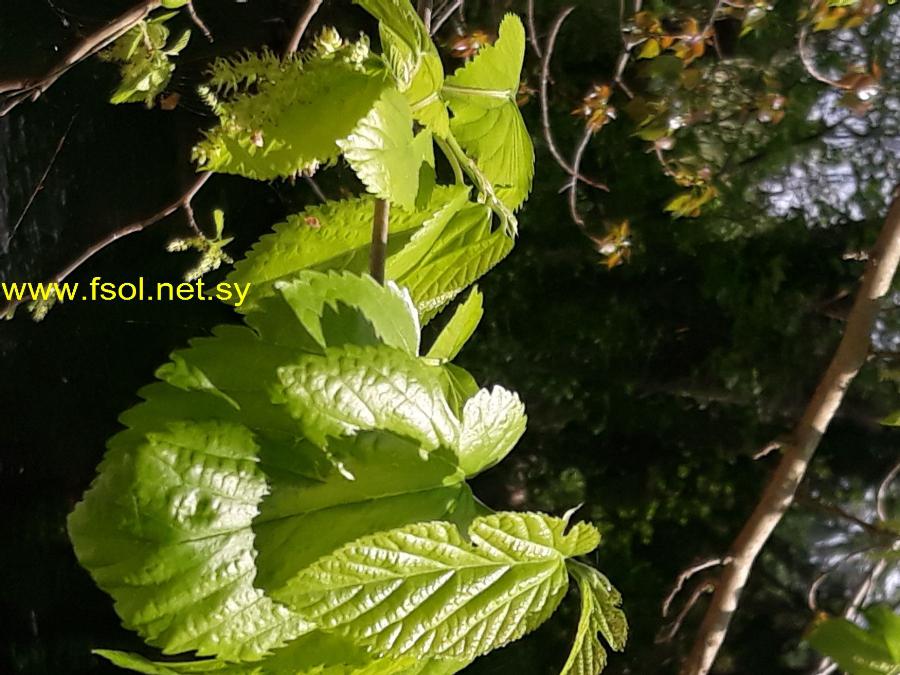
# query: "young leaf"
600,615
459,328
384,153
413,59
423,590
363,389
492,423
387,310
486,120
293,119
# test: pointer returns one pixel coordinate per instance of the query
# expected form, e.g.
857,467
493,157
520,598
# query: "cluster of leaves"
291,495
874,650
306,475
144,54
283,117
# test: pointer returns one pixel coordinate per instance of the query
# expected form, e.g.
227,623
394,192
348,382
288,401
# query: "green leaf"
486,120
459,328
859,651
292,119
316,653
600,615
492,423
174,4
413,59
385,312
335,236
436,253
462,252
165,530
384,153
363,389
424,590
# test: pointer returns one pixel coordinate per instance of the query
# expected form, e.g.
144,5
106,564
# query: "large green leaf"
600,615
492,423
294,115
861,651
384,153
335,236
413,59
486,119
165,529
424,590
436,252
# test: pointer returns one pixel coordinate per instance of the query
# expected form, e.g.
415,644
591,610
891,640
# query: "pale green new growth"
144,57
424,590
459,329
486,120
384,153
600,615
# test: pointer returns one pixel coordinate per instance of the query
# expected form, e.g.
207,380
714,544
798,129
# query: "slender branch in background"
17,91
782,486
807,60
882,493
545,107
685,576
832,509
184,201
672,630
441,18
40,183
378,252
812,594
315,188
302,24
710,28
532,31
198,21
826,665
573,182
425,9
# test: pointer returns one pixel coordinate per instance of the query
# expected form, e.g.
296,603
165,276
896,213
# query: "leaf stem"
454,163
378,252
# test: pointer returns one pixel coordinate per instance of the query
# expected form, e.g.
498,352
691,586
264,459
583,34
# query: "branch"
532,31
443,17
378,252
882,493
30,88
302,24
183,202
782,486
192,12
685,576
545,108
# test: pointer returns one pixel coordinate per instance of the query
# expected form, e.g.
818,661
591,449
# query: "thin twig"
685,576
302,24
380,227
315,188
782,486
545,107
40,183
426,11
807,60
183,202
882,493
198,21
17,91
440,20
672,630
573,182
532,31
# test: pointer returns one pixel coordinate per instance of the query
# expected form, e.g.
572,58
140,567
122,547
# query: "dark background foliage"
649,387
